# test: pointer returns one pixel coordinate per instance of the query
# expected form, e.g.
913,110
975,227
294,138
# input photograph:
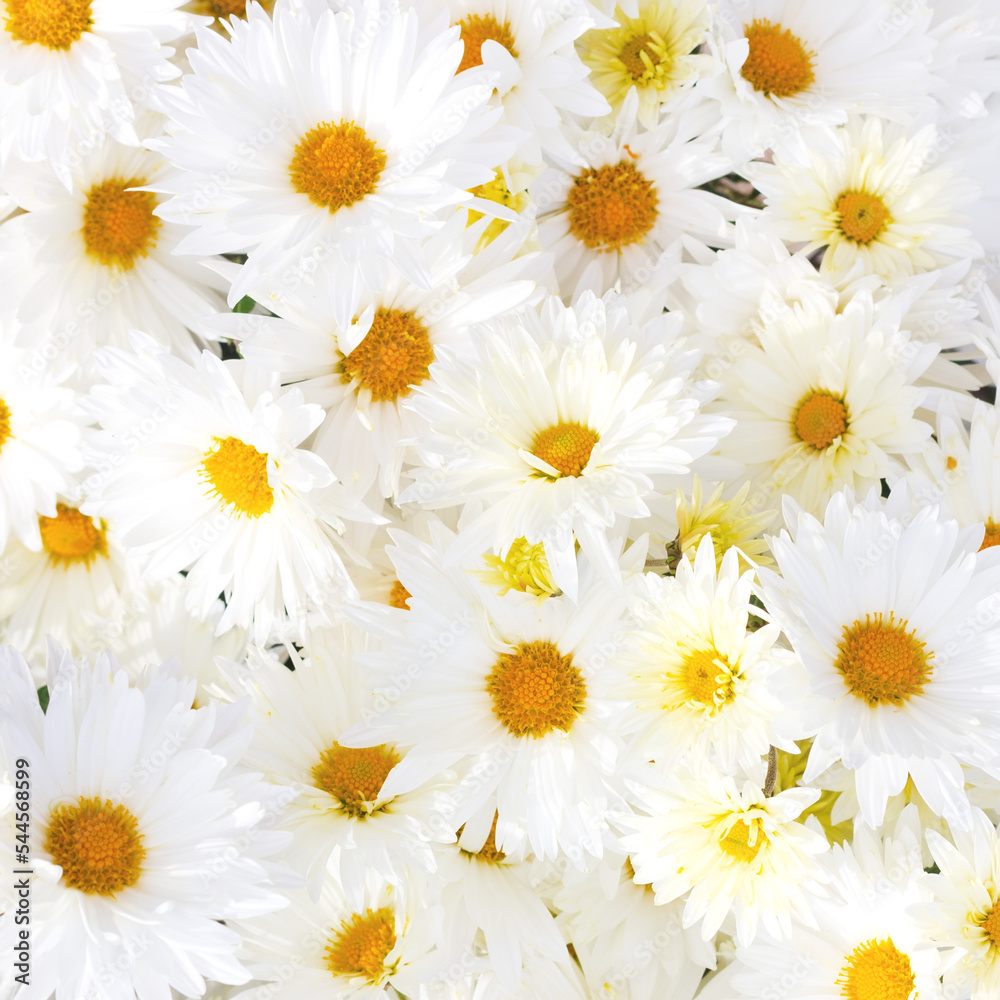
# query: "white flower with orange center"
140,824
345,160
564,421
200,468
724,846
826,400
876,200
894,617
100,262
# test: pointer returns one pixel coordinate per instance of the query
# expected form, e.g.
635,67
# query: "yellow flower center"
778,64
336,165
991,538
736,842
991,924
479,28
820,419
354,775
97,844
227,8
71,537
394,356
611,207
4,423
399,596
118,224
238,474
524,568
566,447
361,945
536,689
881,662
707,676
488,852
876,970
640,56
862,216
56,24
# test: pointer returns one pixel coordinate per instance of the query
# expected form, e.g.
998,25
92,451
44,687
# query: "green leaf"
43,697
245,305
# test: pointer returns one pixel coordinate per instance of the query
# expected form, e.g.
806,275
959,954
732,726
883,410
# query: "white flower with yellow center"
725,847
894,617
696,677
827,399
101,262
340,158
200,469
878,204
564,421
654,51
143,834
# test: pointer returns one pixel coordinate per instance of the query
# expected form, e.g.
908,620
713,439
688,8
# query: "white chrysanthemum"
359,352
635,193
200,468
725,847
825,401
564,422
894,617
697,679
100,262
143,835
340,156
877,203
527,45
795,66
74,70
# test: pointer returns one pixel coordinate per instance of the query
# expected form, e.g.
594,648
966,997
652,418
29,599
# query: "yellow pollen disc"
952,463
736,843
991,924
991,538
488,852
361,945
876,970
118,224
707,681
238,474
398,596
566,447
536,689
336,165
4,423
820,419
354,775
611,207
56,24
97,844
778,63
632,53
479,28
862,216
226,8
71,537
394,356
881,662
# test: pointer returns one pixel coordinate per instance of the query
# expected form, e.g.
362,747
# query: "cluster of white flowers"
499,499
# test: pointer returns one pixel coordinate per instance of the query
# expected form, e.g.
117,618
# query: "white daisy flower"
218,485
726,847
878,204
343,158
826,400
563,423
143,836
893,615
101,263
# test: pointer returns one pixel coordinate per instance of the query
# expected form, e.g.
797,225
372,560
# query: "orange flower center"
394,356
991,538
97,844
633,51
118,224
488,852
4,423
736,841
991,924
876,970
336,165
354,775
707,676
536,689
820,419
399,596
882,663
566,447
479,28
71,537
238,474
862,216
361,945
56,24
778,63
611,207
